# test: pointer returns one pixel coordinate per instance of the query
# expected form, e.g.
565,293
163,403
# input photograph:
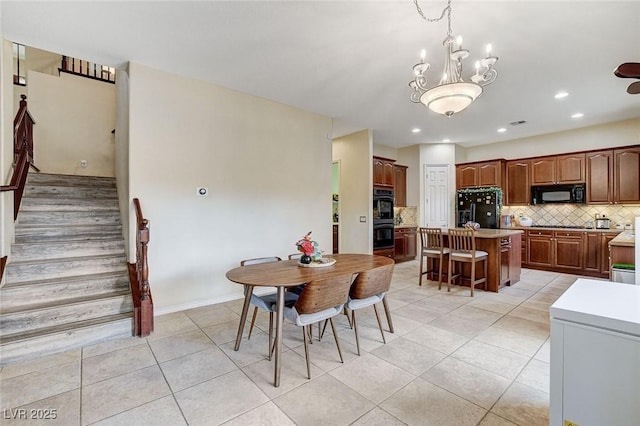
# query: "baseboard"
204,302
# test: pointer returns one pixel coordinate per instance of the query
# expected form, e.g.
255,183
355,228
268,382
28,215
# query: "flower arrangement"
309,249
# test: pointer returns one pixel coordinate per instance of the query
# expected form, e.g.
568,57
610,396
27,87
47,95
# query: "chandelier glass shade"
452,94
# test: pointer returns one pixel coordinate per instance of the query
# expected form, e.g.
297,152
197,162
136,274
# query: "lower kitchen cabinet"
405,244
385,252
573,252
335,239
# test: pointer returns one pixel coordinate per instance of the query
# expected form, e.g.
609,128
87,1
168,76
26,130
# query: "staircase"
67,282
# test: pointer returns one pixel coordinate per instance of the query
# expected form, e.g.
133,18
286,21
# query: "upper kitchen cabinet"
599,181
518,189
383,172
400,185
559,169
486,173
626,175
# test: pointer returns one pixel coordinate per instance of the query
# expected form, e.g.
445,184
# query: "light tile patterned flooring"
453,360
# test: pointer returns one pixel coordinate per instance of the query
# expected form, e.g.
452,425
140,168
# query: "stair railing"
22,154
87,69
139,278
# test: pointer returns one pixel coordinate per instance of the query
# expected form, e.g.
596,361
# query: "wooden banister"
139,277
22,154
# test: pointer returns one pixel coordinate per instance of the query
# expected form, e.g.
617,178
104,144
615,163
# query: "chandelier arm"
445,10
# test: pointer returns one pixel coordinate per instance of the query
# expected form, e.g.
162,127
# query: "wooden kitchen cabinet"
592,259
335,239
605,267
466,176
518,191
400,185
568,250
627,175
383,172
405,240
599,177
540,248
487,173
568,168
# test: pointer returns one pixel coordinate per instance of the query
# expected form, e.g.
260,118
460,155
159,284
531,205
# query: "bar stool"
462,248
432,247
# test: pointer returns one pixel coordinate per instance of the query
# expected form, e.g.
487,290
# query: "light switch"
363,219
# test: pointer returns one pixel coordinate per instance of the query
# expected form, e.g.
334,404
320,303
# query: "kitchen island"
503,261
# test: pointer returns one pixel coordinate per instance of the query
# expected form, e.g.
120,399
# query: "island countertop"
624,239
493,233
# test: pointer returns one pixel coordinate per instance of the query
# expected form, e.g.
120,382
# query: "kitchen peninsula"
503,261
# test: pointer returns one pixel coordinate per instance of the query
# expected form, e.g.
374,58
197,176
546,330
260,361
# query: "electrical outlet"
83,163
363,219
202,191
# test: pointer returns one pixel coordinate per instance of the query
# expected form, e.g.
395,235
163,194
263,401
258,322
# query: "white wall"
356,191
621,133
267,167
6,146
74,118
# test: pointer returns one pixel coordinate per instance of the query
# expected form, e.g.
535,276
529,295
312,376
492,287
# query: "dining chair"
462,248
432,247
320,300
266,302
368,289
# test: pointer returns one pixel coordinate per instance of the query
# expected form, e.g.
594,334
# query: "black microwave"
558,194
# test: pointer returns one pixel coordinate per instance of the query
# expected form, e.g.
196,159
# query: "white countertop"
602,304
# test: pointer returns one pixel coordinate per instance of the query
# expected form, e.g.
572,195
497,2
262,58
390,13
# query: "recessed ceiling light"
446,140
561,95
577,115
415,130
502,130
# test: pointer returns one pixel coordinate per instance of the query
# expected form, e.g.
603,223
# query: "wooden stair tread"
63,303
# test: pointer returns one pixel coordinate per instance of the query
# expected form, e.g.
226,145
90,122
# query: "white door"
436,196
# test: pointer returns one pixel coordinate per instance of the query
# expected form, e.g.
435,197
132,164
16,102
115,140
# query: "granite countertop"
404,225
625,239
493,233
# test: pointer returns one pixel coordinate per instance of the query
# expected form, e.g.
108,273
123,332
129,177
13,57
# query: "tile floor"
453,360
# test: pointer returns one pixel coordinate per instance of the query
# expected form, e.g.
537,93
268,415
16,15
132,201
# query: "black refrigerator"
481,205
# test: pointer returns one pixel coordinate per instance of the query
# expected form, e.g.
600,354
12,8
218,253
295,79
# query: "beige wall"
267,167
356,191
385,151
620,133
6,146
122,159
74,118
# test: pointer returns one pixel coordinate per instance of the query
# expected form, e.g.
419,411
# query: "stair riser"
26,295
68,218
69,192
70,180
12,352
17,273
21,322
35,234
57,250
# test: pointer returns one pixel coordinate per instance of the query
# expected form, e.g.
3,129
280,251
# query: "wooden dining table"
289,273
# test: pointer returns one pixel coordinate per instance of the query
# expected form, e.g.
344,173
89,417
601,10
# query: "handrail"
22,154
88,69
139,277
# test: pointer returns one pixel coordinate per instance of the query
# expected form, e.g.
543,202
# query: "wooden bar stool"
432,247
462,248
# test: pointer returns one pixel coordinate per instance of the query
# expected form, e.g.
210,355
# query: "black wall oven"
383,236
383,231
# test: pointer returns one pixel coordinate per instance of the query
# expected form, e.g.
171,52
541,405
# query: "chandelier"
452,94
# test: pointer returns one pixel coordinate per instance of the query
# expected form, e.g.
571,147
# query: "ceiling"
352,60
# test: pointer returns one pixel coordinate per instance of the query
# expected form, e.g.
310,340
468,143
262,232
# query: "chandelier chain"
446,10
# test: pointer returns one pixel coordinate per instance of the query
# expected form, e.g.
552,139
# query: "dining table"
290,273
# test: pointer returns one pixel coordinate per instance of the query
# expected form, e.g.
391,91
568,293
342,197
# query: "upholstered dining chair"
432,247
320,300
462,249
266,302
368,289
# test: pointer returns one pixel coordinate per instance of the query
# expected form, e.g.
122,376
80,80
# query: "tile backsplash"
406,215
574,215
